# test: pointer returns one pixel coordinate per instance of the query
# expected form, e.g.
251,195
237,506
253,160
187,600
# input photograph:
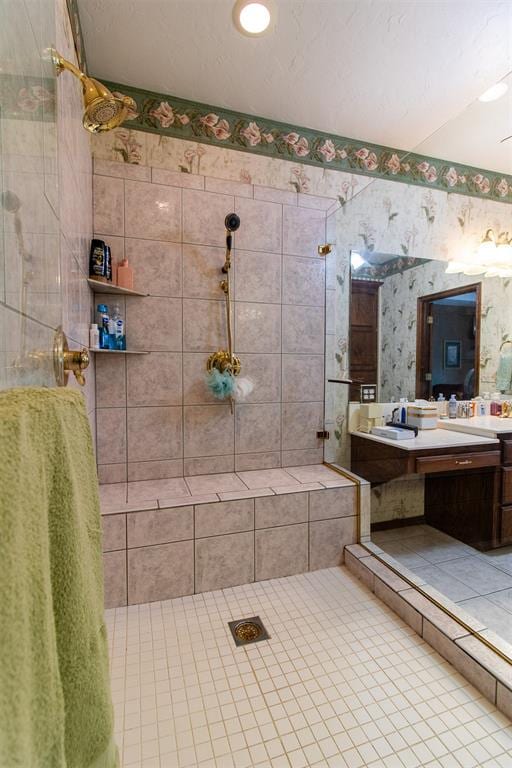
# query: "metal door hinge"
323,434
430,320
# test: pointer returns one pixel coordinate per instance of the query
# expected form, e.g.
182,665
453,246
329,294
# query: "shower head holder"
224,362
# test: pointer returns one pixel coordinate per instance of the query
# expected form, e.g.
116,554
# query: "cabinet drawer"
506,486
460,461
507,451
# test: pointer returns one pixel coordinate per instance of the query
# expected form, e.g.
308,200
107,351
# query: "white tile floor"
342,682
480,582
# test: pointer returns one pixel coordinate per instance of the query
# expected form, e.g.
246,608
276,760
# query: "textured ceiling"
380,70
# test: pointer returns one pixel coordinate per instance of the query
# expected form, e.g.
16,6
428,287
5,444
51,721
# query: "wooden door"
363,334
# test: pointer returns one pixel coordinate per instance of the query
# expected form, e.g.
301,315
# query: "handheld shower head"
102,110
232,222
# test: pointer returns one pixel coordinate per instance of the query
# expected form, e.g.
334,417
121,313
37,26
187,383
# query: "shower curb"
456,641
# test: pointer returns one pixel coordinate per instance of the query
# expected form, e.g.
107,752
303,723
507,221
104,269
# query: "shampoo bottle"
452,407
441,406
125,275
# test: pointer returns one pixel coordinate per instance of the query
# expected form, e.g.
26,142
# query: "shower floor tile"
341,682
179,491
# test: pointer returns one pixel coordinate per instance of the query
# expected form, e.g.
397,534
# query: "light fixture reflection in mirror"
356,260
492,258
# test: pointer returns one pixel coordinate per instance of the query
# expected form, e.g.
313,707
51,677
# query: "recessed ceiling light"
496,91
252,18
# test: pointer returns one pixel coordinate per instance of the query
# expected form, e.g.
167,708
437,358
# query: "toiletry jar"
422,416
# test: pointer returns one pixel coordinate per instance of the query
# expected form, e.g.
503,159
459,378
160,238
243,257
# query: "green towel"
504,373
55,703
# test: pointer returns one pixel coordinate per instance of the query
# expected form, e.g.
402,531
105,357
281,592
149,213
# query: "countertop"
428,439
486,426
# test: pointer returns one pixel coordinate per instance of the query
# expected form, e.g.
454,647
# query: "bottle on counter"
124,275
94,336
452,407
118,339
487,404
441,406
102,321
496,404
98,261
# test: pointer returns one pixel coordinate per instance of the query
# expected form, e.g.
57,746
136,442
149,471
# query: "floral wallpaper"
171,116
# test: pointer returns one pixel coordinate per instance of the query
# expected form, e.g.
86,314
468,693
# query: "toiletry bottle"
119,340
103,322
403,410
452,407
94,336
108,264
97,261
487,404
441,406
125,275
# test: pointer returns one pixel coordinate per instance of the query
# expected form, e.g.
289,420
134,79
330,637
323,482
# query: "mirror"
419,304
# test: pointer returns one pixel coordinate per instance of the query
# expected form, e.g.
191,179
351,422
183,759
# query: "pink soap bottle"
125,275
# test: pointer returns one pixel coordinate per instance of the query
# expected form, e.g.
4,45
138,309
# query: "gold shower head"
102,110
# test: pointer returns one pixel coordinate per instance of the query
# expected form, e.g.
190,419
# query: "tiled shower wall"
155,415
46,171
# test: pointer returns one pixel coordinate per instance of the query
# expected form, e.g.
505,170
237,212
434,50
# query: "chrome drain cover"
246,631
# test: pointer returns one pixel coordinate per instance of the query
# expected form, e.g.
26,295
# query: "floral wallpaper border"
171,116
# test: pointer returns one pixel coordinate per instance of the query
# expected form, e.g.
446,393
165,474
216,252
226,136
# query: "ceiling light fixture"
253,18
496,91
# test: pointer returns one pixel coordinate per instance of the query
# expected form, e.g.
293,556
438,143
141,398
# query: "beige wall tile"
156,266
327,538
224,517
204,325
359,569
155,470
111,435
303,281
154,433
257,427
177,178
265,372
266,478
203,217
154,324
333,502
260,225
228,481
315,201
112,473
160,572
114,572
108,205
154,379
114,532
273,195
240,188
257,276
302,381
110,373
160,526
303,330
202,271
153,211
257,327
142,490
281,551
122,170
208,430
209,465
302,458
281,510
504,700
303,231
252,461
301,421
224,561
195,390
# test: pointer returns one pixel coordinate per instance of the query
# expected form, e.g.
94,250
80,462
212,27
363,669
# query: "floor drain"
247,631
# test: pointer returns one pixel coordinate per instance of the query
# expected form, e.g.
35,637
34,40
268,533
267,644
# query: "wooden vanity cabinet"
505,510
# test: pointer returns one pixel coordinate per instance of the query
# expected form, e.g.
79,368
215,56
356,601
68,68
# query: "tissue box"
422,416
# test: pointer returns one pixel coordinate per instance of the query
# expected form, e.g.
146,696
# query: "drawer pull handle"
466,461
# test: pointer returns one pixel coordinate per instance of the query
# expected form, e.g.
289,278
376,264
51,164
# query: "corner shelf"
119,351
98,287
